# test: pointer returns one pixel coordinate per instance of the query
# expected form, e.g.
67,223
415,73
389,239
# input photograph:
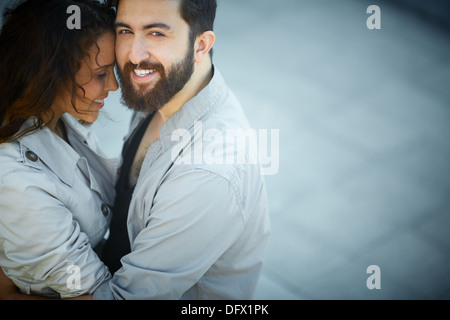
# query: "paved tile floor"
364,120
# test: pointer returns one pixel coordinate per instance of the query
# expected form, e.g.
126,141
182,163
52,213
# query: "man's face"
155,58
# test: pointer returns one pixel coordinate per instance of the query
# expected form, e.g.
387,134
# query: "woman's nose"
112,84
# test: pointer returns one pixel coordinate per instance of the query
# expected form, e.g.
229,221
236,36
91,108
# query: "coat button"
31,156
105,210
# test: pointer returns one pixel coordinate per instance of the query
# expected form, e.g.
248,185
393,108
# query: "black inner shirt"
118,244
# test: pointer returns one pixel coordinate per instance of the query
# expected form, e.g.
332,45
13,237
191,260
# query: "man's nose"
138,51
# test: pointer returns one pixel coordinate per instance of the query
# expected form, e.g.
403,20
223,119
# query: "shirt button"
105,210
31,156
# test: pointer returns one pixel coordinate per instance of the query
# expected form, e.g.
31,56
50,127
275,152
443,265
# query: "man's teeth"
143,73
98,101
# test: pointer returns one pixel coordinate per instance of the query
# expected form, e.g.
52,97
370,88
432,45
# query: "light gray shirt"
198,226
55,203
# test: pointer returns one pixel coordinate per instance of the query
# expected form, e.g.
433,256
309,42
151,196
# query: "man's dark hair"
199,15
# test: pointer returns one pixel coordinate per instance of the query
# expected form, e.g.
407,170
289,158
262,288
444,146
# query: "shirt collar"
195,109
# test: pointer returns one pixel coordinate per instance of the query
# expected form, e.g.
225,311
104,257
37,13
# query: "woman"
55,186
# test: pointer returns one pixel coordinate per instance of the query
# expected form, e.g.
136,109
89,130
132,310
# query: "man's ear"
203,45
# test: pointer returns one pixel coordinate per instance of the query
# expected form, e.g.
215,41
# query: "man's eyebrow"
157,25
148,26
121,25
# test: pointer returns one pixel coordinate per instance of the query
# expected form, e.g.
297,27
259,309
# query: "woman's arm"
9,291
42,248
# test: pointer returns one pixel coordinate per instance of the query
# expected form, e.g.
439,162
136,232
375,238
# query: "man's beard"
151,100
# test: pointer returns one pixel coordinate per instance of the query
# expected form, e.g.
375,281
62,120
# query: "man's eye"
101,75
124,32
157,34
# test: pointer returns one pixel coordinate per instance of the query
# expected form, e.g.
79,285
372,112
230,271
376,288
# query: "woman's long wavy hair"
40,56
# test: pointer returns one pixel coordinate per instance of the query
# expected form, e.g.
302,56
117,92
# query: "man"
195,229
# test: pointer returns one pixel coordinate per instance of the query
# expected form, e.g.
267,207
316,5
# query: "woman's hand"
8,290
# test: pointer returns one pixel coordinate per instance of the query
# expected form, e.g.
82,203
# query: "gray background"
364,119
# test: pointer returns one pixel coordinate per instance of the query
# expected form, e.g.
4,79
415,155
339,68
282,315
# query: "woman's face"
96,77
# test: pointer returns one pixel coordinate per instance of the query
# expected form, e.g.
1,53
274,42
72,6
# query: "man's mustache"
129,67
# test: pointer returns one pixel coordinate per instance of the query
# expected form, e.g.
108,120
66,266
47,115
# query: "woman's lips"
100,103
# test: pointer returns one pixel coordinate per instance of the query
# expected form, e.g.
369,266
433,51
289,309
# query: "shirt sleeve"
42,248
193,219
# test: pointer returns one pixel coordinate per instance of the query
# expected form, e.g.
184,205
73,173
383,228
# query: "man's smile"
143,75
